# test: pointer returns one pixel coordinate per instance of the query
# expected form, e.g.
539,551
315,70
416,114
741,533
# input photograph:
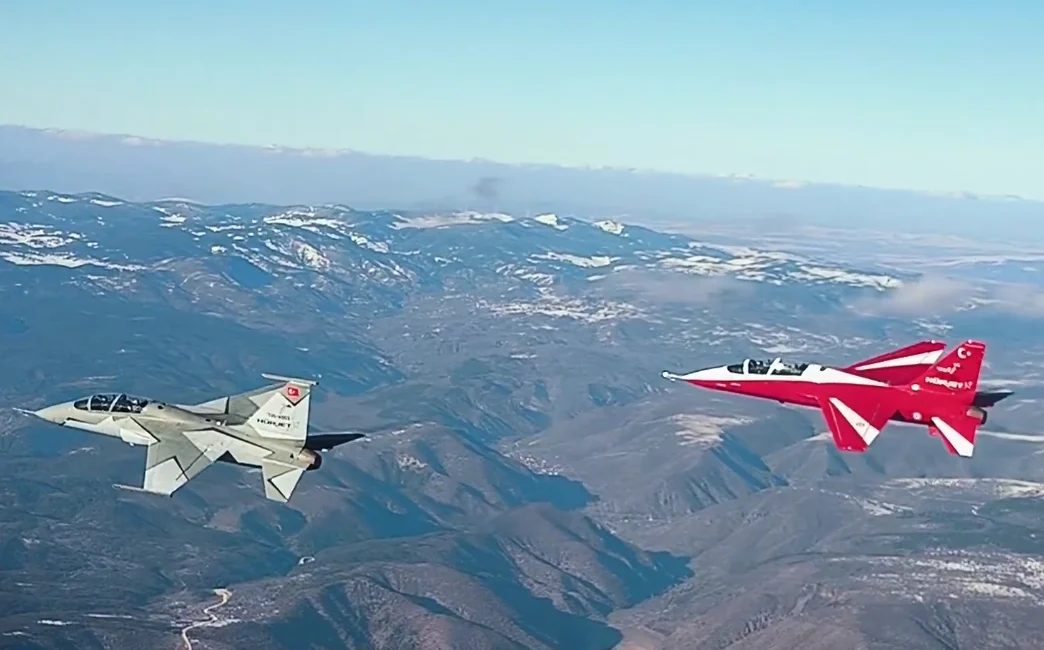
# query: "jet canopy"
767,367
111,402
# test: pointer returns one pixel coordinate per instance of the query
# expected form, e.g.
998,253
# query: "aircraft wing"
174,459
178,457
855,422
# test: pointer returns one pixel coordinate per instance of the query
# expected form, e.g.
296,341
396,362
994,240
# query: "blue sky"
932,94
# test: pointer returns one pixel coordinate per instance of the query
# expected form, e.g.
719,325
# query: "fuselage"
806,384
133,420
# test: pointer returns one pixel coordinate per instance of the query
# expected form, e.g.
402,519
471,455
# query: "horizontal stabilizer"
280,480
326,440
957,433
987,398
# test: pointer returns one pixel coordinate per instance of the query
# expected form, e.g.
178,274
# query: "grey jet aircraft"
266,427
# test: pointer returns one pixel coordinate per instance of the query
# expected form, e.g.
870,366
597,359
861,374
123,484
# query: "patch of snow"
34,235
772,266
555,306
703,430
959,575
304,219
408,462
540,279
216,250
169,219
611,227
106,204
998,487
550,219
66,260
310,256
363,242
881,508
448,220
595,261
816,273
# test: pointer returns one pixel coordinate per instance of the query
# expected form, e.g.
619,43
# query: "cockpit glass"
770,367
129,404
757,367
102,401
788,368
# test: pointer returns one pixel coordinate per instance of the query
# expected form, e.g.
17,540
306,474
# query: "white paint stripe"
962,445
925,359
865,430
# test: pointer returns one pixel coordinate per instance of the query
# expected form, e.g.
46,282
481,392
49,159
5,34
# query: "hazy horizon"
928,96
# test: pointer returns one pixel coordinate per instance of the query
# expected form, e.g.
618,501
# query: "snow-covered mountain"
258,244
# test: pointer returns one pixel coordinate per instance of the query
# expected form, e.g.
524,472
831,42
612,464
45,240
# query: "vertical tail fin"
282,412
957,373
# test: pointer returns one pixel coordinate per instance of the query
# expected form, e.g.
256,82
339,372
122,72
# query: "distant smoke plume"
487,188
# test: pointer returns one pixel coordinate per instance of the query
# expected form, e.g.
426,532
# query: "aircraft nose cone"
54,413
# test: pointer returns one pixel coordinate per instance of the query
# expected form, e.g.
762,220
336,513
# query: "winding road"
224,595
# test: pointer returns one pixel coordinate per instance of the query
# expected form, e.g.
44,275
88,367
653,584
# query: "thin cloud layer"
935,295
677,288
926,296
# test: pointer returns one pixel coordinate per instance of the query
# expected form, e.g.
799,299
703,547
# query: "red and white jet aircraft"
908,385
